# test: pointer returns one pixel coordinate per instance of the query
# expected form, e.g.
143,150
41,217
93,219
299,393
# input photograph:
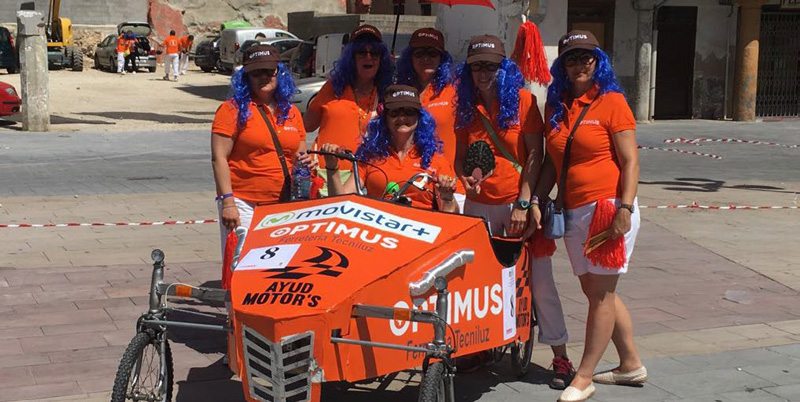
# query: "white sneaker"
166,78
638,376
183,72
572,394
133,72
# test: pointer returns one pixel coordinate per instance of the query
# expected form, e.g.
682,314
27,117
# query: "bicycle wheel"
521,354
432,387
145,371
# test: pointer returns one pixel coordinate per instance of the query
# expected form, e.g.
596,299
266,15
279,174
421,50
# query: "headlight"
297,92
11,91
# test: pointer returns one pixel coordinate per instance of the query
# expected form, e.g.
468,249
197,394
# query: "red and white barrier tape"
681,151
694,205
697,141
73,224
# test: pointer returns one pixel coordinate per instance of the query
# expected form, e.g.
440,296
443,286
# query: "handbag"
499,144
286,190
554,224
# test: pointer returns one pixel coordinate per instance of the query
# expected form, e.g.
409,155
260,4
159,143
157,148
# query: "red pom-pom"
529,54
227,260
611,254
542,246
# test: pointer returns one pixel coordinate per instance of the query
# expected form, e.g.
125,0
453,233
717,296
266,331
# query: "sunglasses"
583,58
484,66
368,53
426,52
406,111
263,72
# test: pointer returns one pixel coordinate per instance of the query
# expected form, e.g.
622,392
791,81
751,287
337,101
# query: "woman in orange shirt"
603,165
247,168
347,102
492,107
426,65
400,143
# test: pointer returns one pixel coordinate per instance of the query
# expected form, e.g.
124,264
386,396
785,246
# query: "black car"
9,58
206,54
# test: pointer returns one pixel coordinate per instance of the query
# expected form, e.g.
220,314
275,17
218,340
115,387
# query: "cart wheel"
144,373
521,354
432,387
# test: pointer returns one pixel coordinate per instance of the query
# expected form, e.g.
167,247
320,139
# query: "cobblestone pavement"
713,294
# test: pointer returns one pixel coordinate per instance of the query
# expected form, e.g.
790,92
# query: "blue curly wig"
241,93
376,142
344,70
603,76
509,82
407,76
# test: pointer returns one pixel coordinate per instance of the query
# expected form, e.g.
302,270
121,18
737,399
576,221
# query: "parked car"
105,56
302,61
9,58
10,103
307,89
283,45
233,39
206,53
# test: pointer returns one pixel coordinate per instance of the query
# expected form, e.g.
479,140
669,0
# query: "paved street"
713,294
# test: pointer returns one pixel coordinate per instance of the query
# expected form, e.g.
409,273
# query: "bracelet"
332,169
223,196
535,200
450,200
229,206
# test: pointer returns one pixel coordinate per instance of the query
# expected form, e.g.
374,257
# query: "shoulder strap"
499,144
565,165
286,189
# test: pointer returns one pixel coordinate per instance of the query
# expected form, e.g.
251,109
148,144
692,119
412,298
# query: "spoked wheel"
145,372
432,388
521,353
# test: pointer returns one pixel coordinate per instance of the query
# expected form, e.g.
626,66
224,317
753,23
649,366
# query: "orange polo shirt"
172,43
594,171
186,44
256,172
399,171
443,109
122,44
502,187
344,121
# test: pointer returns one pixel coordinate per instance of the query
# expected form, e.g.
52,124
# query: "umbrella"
451,3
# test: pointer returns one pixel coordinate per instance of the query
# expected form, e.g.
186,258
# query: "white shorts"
577,232
460,198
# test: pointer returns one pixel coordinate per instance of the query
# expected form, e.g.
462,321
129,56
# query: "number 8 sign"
272,257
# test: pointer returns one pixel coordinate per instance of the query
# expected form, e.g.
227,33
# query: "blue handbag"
553,217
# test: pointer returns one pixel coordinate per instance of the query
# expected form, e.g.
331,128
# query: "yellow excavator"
61,49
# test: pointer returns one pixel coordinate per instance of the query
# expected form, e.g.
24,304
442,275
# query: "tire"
432,387
77,60
521,354
135,356
12,69
97,63
68,55
206,69
151,69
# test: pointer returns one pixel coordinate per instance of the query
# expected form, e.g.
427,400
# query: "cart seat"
506,249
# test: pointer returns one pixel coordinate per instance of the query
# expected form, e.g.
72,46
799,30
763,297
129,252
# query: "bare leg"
599,290
623,339
559,350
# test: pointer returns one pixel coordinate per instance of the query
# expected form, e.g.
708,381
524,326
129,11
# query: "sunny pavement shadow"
159,118
215,92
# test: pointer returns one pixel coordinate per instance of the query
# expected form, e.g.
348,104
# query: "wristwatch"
629,207
523,204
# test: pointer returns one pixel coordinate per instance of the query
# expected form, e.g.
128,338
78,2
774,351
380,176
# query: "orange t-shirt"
399,172
256,172
344,121
122,44
172,44
502,187
186,44
443,109
594,171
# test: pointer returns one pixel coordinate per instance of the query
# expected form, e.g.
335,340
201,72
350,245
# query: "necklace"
365,112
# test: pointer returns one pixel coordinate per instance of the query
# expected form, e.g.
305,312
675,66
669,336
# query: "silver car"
307,89
105,55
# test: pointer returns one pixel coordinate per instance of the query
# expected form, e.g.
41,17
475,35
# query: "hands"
535,219
331,162
306,159
471,185
230,215
621,223
446,187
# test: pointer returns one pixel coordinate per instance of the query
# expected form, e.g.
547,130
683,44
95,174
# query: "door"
677,28
778,93
595,16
